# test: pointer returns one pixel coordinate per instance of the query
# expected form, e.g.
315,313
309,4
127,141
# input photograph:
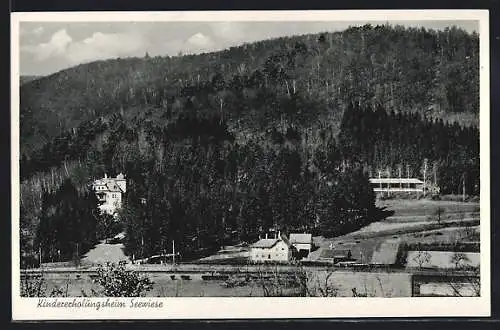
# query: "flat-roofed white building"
392,185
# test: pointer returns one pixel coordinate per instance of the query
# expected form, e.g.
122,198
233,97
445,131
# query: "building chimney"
279,234
266,235
105,175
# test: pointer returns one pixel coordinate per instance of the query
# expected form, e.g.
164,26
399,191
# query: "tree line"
407,144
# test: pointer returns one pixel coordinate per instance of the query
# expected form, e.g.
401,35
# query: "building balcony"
398,189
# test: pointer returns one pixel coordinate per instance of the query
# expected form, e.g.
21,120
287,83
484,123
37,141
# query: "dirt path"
103,253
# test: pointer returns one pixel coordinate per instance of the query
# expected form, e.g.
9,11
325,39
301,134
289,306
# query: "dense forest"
26,79
220,147
205,190
404,69
392,145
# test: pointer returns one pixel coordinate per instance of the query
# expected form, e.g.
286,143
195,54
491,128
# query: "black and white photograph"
254,157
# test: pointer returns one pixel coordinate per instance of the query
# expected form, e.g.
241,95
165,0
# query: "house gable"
270,250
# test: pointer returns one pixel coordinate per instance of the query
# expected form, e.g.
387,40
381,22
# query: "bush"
402,255
33,286
436,197
459,198
29,261
474,199
384,197
117,281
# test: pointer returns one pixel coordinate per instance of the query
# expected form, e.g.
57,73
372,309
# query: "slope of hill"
432,72
221,146
26,79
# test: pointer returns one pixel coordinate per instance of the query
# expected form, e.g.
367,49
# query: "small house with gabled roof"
276,249
336,255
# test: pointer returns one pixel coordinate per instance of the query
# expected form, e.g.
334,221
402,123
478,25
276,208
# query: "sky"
48,47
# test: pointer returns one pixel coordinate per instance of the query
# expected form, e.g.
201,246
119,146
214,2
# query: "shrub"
33,286
117,281
436,197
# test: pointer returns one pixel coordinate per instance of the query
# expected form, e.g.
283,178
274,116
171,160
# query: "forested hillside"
404,69
220,147
392,145
26,79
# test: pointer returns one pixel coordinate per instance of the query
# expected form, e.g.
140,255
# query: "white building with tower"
110,192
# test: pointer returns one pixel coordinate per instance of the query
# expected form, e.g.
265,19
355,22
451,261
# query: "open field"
425,207
445,289
371,284
438,235
441,259
413,221
388,228
342,283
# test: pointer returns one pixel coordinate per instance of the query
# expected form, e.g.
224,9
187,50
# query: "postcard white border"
250,308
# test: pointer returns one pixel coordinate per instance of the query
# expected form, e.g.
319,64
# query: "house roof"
99,182
265,243
386,253
338,253
287,242
396,180
113,187
109,183
300,238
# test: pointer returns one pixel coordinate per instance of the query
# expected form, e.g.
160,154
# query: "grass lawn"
413,221
369,284
424,207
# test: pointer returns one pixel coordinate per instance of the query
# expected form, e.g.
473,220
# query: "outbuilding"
337,255
302,243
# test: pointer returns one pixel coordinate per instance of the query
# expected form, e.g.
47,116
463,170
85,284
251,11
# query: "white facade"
112,202
302,246
109,192
270,250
